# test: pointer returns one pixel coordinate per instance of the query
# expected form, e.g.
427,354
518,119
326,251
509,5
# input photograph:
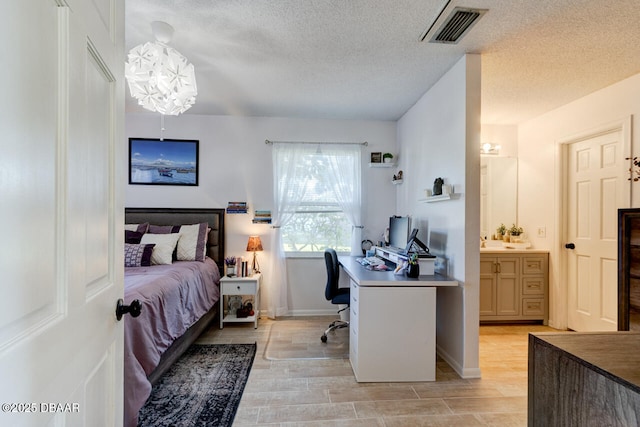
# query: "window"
318,188
316,226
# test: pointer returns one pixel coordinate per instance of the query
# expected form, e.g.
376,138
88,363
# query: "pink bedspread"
173,298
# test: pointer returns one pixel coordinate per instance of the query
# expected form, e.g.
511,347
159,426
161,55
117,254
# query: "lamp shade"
254,244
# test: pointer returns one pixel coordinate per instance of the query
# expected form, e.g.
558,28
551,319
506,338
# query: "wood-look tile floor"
324,392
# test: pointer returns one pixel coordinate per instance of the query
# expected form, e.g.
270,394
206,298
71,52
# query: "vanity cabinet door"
508,286
499,286
488,279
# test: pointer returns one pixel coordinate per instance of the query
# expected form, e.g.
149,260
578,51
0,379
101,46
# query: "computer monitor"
398,231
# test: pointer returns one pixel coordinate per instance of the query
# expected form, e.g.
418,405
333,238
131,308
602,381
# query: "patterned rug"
203,388
299,339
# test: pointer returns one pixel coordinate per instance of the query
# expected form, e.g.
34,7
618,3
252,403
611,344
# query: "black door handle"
134,309
570,246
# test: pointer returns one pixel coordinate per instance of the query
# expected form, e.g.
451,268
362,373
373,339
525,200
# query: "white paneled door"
61,187
596,188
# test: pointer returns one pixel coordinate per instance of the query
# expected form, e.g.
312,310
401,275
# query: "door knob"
570,246
134,309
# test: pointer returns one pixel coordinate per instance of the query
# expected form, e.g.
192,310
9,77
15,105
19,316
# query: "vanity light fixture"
159,77
489,148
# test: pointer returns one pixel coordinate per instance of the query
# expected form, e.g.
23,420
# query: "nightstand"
238,287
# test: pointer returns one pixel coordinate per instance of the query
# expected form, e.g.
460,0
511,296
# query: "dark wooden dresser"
584,379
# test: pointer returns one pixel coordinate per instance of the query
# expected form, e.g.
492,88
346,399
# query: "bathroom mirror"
498,193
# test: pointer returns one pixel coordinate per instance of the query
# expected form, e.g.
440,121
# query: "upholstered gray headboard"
179,216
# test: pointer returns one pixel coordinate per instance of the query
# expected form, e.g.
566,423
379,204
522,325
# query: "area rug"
203,388
299,339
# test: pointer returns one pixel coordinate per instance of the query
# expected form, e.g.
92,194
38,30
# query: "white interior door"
596,188
61,182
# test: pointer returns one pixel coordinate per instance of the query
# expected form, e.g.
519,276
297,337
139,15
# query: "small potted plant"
230,262
515,233
501,232
387,157
413,269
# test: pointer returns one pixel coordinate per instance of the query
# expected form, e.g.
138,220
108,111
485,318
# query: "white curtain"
344,175
287,193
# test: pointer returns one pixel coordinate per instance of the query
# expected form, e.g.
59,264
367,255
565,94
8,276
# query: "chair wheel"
323,338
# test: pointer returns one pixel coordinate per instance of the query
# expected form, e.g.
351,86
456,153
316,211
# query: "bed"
179,298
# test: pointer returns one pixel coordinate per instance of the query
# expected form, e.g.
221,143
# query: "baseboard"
465,373
323,312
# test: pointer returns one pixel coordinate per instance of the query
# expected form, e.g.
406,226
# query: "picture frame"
163,161
376,157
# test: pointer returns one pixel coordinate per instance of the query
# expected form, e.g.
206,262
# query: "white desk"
392,332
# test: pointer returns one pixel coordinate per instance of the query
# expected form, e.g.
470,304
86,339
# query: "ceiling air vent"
452,24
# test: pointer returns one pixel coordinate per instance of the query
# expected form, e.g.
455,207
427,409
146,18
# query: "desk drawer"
354,289
353,347
242,288
353,317
354,295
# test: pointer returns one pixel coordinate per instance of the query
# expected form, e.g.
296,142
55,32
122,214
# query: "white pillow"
164,246
192,245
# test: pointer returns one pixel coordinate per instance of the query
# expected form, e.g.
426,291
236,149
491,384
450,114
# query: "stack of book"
237,207
262,217
242,267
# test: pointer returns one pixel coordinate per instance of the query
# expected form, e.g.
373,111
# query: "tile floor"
325,393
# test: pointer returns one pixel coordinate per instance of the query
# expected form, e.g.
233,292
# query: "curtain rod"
266,141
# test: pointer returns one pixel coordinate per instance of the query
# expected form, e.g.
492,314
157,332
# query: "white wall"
440,137
235,165
538,161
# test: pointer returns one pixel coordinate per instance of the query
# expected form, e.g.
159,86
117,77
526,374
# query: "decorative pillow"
132,236
192,245
164,246
136,255
140,228
163,229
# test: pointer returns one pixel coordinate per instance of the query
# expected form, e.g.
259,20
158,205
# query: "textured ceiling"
362,59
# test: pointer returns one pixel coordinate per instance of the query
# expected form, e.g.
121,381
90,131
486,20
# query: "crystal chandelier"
159,77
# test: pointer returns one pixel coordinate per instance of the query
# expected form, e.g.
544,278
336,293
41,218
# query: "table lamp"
253,245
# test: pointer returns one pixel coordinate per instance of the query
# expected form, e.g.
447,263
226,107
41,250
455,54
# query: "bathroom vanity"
514,285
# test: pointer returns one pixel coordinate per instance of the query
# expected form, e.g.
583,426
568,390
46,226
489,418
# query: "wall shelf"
439,198
381,165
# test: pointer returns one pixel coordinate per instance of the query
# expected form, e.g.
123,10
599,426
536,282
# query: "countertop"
365,277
